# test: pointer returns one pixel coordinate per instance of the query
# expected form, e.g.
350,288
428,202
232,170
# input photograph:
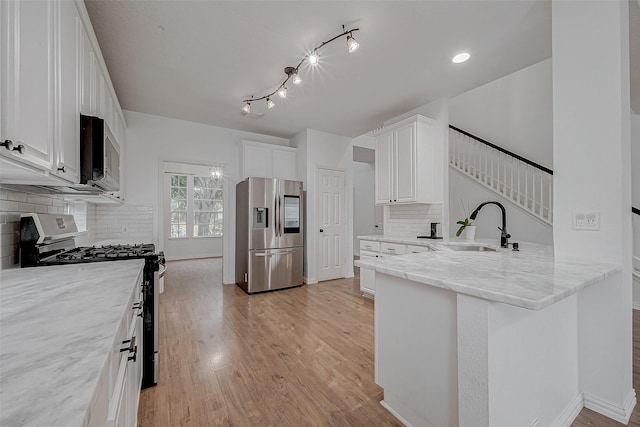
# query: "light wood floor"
297,357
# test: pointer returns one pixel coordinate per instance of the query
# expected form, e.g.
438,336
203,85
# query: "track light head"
296,79
282,92
246,109
270,103
313,58
352,44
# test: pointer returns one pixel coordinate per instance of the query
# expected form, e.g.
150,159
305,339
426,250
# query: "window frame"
190,212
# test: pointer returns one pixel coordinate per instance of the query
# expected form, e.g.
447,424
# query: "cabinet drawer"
368,245
411,249
393,248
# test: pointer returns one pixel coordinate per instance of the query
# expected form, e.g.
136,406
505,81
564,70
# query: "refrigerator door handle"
279,215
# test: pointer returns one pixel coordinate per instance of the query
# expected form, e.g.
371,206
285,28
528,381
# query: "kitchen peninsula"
481,338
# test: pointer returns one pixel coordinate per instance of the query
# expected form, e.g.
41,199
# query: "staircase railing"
522,181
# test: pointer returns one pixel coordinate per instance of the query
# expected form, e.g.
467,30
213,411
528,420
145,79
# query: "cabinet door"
384,167
367,276
69,30
257,161
404,177
27,89
284,164
134,374
87,81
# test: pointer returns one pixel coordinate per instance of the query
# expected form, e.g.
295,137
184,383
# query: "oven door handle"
161,271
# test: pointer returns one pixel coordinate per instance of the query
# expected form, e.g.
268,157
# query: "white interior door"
332,214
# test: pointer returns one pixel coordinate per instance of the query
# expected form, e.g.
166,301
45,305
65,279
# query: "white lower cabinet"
115,402
371,249
123,405
368,277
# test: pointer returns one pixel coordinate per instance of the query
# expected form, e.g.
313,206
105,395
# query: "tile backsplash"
411,219
12,204
124,223
129,223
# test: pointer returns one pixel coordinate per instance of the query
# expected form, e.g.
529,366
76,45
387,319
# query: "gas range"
102,253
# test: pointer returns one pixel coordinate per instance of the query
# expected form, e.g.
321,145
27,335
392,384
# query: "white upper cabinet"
384,167
409,163
67,158
268,161
51,71
27,101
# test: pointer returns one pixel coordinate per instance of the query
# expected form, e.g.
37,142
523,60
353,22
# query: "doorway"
368,217
192,210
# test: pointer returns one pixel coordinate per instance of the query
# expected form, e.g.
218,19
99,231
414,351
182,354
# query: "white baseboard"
570,413
608,409
636,305
395,414
310,280
199,256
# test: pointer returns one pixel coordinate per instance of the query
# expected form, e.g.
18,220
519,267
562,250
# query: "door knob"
322,230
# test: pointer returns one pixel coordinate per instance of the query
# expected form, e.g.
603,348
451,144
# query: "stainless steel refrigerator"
269,234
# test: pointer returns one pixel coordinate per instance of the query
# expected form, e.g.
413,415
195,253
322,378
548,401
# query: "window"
196,206
178,205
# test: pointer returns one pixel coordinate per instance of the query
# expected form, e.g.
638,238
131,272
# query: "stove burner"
107,252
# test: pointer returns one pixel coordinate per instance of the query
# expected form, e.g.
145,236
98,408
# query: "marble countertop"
407,240
57,327
531,278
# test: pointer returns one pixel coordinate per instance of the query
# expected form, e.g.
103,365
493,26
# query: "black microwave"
99,154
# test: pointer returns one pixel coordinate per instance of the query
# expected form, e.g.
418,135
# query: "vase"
470,232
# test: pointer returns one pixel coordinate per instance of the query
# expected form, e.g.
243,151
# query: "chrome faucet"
504,236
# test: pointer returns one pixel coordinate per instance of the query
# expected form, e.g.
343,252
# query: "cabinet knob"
322,230
62,169
19,149
8,144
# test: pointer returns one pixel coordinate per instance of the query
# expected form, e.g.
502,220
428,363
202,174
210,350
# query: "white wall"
521,226
154,139
320,149
514,112
635,199
592,173
364,213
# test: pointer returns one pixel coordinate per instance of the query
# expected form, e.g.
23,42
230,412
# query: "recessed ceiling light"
461,57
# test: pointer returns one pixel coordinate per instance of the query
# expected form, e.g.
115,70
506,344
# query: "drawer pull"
132,345
8,144
19,149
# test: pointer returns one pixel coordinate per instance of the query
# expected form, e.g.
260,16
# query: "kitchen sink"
468,248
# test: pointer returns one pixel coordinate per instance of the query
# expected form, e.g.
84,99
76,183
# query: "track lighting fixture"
292,73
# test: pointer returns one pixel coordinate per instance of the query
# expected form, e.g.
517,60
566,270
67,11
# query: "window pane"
178,193
207,212
178,206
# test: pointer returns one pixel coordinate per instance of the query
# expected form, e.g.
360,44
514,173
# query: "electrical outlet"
586,221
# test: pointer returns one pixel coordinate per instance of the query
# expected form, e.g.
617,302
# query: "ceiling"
197,60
